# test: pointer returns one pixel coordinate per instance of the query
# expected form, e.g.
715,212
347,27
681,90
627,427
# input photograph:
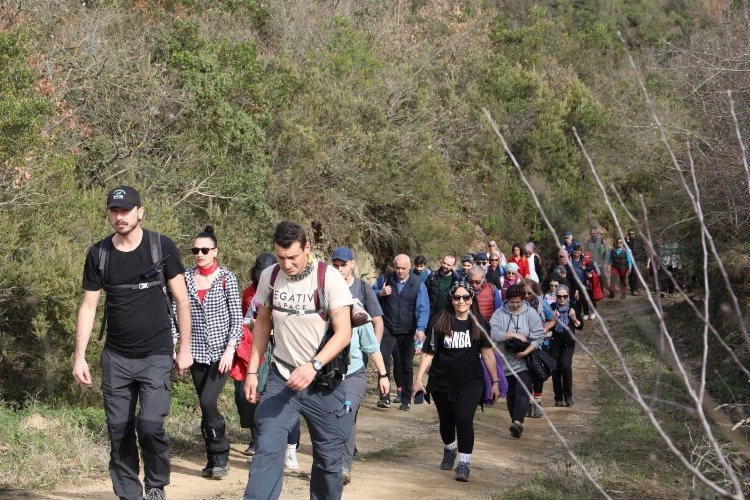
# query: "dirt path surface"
400,451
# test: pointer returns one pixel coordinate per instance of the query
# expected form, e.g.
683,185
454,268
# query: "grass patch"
623,451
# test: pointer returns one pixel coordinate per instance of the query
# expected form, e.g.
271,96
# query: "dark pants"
208,384
456,413
404,344
517,398
562,378
245,408
277,414
127,383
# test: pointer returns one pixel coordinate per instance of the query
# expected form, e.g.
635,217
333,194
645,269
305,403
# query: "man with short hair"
440,283
138,354
299,323
467,262
599,251
420,268
486,294
640,259
406,310
481,259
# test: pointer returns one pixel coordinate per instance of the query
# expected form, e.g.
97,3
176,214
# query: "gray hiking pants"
277,413
126,382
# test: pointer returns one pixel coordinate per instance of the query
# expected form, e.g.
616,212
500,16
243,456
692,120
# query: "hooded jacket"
525,322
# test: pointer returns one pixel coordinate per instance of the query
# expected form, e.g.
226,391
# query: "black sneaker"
384,403
559,402
568,400
405,406
250,450
397,397
449,458
462,472
516,430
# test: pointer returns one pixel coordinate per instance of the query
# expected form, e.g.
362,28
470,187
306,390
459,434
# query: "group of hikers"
298,340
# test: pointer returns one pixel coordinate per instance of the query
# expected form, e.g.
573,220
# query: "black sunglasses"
494,260
562,296
459,298
203,250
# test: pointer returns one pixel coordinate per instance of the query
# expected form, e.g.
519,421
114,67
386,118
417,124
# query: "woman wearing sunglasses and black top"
456,337
562,345
217,329
517,329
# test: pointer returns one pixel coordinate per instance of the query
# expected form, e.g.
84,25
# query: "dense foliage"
362,120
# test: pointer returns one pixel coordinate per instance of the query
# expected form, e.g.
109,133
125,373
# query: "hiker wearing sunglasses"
135,267
457,337
518,331
562,345
216,313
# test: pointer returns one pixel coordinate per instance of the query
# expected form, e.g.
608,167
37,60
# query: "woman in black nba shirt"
456,380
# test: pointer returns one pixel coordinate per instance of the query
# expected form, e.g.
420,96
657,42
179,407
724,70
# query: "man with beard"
139,352
439,283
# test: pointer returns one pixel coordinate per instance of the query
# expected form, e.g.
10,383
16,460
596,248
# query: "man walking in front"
406,309
139,352
287,297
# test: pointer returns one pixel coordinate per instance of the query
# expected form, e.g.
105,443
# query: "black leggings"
208,384
517,398
456,412
562,378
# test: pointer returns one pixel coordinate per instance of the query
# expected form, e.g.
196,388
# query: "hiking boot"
290,460
155,494
516,429
462,472
568,400
449,458
347,476
559,402
384,403
397,398
405,406
250,450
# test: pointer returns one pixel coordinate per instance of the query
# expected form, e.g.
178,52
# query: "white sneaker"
585,317
290,460
593,316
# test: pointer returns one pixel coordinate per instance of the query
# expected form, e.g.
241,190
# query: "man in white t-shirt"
288,306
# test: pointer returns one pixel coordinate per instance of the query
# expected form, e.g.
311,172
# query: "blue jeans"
277,413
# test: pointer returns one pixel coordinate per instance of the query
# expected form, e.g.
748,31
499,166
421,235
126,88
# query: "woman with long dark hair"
517,329
455,339
216,331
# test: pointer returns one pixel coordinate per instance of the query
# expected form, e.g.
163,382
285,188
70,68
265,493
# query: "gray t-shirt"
366,295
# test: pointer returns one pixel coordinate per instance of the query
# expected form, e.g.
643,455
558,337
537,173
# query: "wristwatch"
385,375
317,365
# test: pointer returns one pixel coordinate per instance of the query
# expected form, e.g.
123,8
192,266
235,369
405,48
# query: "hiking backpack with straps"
155,271
333,373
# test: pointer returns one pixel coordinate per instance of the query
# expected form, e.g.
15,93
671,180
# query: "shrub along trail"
400,452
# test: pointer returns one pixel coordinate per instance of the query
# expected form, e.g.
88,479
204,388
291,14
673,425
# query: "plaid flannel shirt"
217,320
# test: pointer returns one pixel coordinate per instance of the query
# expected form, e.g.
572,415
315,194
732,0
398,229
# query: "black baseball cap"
123,197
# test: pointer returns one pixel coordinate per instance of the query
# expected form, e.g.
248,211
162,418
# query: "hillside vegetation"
362,120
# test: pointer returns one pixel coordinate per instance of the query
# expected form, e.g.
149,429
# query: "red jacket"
523,265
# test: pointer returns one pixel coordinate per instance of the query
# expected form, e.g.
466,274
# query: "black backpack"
155,271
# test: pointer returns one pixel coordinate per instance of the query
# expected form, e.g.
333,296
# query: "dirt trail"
400,452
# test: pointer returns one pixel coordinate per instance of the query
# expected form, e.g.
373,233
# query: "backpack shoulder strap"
320,295
154,242
104,249
272,282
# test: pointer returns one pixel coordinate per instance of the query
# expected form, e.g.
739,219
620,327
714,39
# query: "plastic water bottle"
347,406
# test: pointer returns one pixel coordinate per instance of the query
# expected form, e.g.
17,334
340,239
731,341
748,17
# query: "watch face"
317,365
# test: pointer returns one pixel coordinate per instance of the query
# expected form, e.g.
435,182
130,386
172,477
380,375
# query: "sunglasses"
494,260
482,262
459,298
510,272
562,296
203,250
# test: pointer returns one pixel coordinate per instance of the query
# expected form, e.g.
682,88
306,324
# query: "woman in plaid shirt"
217,329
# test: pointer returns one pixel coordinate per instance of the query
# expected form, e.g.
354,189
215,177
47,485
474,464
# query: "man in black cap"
136,268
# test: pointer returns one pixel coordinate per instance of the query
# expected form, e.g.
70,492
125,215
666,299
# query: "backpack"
156,270
333,373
